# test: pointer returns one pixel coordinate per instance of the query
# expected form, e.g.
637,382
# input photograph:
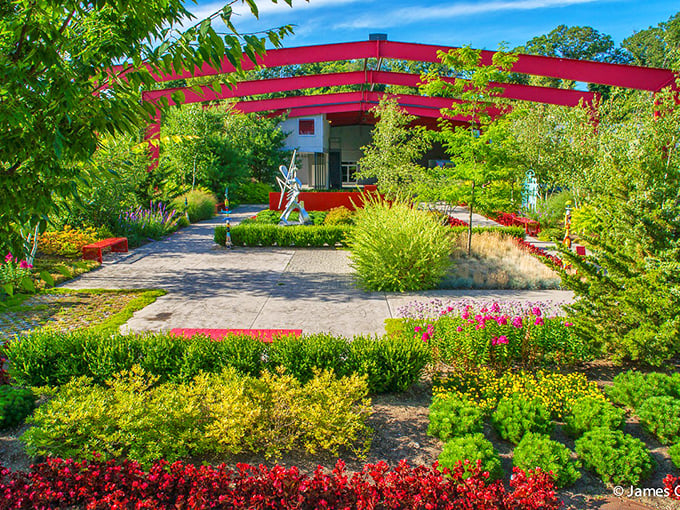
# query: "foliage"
250,192
472,448
632,388
339,216
15,405
539,451
222,413
488,337
590,412
453,417
674,453
198,204
141,224
60,58
627,287
557,392
391,156
397,248
271,217
59,483
53,358
67,242
481,172
516,415
254,234
656,46
661,416
617,458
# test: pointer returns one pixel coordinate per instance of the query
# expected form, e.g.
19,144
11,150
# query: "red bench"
94,251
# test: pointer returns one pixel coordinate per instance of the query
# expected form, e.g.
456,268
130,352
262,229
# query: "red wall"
323,200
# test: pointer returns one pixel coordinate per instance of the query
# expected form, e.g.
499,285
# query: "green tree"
657,46
60,88
391,156
629,287
481,173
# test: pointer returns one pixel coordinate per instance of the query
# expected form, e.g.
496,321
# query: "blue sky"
481,24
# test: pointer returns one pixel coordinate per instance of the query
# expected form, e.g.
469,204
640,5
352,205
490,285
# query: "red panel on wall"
324,200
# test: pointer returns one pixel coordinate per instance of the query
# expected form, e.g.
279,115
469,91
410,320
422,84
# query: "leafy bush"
250,192
222,414
617,458
539,451
198,204
15,405
632,388
53,358
451,417
472,447
14,272
270,217
674,453
661,416
517,232
391,364
397,248
590,412
254,234
339,216
67,242
558,392
60,483
517,415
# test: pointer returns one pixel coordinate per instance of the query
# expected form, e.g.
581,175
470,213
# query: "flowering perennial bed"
97,485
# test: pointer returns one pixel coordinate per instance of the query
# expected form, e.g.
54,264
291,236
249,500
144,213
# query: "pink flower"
536,311
502,320
459,329
8,257
517,322
495,307
499,340
539,321
25,265
568,324
418,329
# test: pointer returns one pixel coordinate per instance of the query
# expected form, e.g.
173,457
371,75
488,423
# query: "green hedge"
261,234
257,234
51,358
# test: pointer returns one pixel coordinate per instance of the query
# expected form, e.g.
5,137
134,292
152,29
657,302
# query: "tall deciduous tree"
657,46
59,89
477,150
392,155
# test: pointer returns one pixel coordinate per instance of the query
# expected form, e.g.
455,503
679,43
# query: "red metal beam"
620,75
564,97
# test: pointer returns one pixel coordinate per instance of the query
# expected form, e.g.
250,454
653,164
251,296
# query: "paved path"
212,287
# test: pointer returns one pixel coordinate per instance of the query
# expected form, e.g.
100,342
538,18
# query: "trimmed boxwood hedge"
259,234
52,358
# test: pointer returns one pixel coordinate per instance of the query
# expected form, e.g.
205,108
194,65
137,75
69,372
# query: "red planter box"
324,200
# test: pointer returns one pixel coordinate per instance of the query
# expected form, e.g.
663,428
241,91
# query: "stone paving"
213,287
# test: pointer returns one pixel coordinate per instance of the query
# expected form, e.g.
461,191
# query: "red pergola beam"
563,97
619,75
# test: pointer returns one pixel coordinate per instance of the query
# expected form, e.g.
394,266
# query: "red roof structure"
349,108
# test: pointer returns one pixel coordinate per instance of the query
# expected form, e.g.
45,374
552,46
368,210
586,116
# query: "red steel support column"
153,138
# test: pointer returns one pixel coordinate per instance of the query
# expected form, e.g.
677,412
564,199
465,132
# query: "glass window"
306,127
349,169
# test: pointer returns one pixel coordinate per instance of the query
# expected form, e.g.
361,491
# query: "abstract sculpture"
290,187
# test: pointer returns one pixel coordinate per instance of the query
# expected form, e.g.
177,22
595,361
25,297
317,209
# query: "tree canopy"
59,91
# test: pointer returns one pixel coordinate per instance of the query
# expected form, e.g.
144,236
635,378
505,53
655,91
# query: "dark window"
306,127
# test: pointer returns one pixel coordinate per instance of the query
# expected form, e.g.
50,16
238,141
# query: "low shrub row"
135,417
262,234
486,337
101,485
50,358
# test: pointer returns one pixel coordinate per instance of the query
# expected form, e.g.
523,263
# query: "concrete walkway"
213,287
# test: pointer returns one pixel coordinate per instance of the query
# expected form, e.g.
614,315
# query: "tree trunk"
472,201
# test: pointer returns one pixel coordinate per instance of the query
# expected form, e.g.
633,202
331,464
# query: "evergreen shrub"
517,415
660,416
15,405
590,412
256,234
617,458
472,447
451,417
632,388
539,451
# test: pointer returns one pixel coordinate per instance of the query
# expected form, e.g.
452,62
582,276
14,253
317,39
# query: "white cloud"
416,14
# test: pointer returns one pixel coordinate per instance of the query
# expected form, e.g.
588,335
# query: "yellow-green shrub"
226,413
67,242
339,216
